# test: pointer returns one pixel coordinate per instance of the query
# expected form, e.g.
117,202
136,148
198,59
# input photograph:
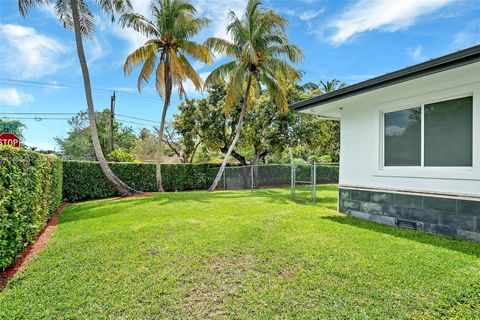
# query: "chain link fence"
276,175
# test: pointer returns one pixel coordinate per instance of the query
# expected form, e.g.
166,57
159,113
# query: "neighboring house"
410,145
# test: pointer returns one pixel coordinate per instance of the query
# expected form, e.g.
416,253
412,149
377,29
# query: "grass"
240,254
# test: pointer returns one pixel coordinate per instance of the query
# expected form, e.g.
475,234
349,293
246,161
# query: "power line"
63,119
38,84
71,113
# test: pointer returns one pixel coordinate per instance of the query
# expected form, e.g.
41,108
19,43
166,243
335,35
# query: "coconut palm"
165,53
331,85
77,16
260,50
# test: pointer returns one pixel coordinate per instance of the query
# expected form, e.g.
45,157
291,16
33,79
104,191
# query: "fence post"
251,176
292,174
314,182
224,179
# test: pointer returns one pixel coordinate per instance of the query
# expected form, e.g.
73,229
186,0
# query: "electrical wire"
39,84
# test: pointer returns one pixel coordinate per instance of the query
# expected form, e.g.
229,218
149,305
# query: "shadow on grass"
463,246
105,207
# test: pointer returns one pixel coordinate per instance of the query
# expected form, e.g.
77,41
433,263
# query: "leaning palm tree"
165,54
260,50
77,16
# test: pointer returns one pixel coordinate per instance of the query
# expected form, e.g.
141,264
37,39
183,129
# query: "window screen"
448,133
403,137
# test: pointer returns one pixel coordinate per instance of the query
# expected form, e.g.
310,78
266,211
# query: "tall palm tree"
165,54
331,85
77,15
260,50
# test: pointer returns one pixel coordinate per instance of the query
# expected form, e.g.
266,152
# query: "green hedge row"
84,179
30,192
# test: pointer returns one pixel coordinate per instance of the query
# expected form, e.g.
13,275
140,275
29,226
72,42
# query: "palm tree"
165,54
76,15
331,85
259,48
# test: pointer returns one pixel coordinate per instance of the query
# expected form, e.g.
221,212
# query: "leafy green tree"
78,143
259,49
165,54
76,15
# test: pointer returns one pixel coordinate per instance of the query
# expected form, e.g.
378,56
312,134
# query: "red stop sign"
9,139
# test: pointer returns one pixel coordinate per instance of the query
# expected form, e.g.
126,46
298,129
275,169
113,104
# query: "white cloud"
28,54
14,97
468,37
416,54
190,88
42,145
394,131
386,15
310,14
217,11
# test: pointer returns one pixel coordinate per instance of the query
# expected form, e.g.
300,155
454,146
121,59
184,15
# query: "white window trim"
434,172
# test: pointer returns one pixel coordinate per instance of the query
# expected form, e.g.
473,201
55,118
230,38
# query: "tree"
77,16
331,85
78,143
259,49
174,23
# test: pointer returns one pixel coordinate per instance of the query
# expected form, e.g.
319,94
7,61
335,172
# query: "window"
403,138
447,128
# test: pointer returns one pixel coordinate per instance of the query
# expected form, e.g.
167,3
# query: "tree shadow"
101,208
464,246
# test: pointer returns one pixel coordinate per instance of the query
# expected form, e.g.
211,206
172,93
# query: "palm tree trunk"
235,139
122,188
166,104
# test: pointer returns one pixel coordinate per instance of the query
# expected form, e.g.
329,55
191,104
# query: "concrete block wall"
450,216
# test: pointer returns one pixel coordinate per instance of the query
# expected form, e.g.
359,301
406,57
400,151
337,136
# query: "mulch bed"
31,250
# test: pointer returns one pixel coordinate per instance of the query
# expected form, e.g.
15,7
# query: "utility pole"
112,118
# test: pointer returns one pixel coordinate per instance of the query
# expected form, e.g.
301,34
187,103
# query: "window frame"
422,136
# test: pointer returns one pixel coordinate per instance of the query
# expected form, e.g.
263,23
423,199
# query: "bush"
84,179
30,192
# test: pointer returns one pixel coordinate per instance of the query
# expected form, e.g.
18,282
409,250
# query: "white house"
410,145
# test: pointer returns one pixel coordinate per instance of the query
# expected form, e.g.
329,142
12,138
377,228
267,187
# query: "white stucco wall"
361,135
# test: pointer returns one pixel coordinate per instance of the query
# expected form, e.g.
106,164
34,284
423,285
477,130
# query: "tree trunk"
122,188
166,103
235,140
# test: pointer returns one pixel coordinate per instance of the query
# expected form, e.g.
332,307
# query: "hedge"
30,192
85,180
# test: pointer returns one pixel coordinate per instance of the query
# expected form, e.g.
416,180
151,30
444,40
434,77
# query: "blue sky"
348,40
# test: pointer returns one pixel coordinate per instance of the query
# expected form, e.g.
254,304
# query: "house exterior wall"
361,152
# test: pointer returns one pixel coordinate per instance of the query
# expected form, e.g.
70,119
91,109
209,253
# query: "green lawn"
240,254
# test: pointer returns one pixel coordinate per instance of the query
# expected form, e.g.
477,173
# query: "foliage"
30,192
267,131
84,180
260,49
78,143
120,155
239,255
144,146
169,44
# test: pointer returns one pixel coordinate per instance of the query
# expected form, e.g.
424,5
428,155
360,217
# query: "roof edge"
446,62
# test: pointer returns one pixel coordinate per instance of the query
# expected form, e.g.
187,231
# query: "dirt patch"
220,279
31,250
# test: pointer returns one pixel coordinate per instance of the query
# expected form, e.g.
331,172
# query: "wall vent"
406,224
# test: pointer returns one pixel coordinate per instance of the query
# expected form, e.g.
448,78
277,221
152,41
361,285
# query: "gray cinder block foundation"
450,216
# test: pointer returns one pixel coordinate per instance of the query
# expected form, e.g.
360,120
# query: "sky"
351,41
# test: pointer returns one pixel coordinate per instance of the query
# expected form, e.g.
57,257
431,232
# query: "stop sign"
9,139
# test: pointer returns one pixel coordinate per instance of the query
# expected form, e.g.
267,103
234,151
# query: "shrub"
84,179
30,192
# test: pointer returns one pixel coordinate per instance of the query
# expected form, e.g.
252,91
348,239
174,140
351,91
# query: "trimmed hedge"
30,192
85,180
